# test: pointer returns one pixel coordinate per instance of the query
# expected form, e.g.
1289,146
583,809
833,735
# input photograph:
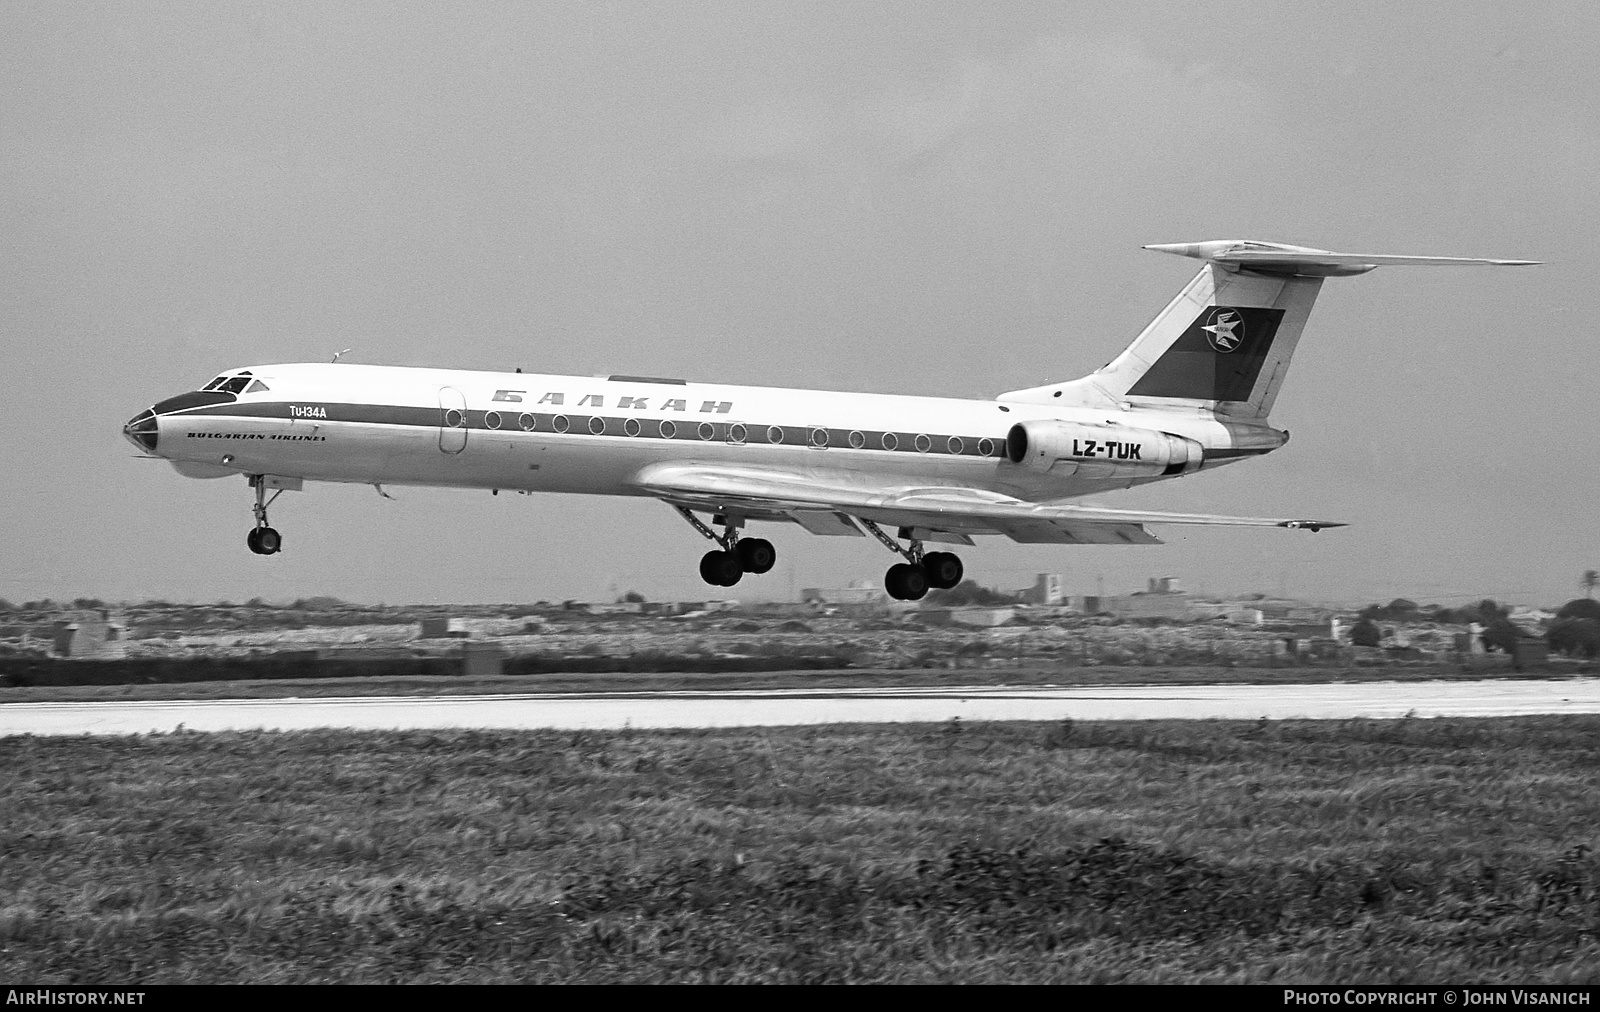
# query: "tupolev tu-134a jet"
1191,393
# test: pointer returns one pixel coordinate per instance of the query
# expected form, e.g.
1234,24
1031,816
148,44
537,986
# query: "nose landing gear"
262,539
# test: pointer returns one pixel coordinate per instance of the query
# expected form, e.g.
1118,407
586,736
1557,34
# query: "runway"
772,708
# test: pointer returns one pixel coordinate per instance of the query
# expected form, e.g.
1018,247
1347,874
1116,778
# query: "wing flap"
768,492
1057,532
826,523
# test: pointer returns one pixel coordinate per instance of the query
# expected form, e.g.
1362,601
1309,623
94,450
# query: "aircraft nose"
141,430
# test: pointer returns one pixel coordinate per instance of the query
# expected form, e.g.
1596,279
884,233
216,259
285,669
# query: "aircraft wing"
824,503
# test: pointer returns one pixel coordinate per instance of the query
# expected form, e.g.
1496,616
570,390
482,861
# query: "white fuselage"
548,433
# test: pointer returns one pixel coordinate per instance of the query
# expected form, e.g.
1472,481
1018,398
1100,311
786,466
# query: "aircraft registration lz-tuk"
1191,393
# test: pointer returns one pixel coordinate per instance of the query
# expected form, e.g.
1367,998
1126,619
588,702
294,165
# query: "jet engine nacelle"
1091,450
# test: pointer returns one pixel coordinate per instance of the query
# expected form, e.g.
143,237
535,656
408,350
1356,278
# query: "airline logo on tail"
1226,329
1217,358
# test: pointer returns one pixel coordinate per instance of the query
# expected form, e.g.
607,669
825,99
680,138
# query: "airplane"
1193,392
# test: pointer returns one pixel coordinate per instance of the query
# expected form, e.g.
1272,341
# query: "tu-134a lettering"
1193,392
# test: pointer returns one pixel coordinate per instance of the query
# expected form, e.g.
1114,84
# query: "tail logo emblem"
1225,331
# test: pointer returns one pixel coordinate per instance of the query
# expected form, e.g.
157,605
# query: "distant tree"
6,605
88,602
1580,607
1365,633
1575,637
255,602
1401,609
1489,612
319,603
1500,635
633,597
1591,580
967,592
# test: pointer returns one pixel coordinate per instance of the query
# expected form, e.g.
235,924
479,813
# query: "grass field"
1452,849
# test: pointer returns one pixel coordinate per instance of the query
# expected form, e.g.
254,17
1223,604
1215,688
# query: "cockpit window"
256,388
233,383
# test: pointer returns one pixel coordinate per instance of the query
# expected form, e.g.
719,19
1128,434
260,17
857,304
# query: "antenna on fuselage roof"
337,354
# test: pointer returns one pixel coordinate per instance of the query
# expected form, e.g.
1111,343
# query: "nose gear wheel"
262,539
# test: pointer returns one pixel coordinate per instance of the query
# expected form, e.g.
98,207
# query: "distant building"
618,608
1531,621
855,592
1162,599
1088,604
89,634
1046,590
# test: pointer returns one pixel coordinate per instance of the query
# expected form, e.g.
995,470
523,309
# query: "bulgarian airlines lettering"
1109,450
258,435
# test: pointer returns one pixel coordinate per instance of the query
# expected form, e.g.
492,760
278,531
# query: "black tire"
253,540
756,555
269,540
944,570
915,583
906,582
891,582
720,569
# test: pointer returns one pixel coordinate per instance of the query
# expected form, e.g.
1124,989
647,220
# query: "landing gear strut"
736,556
262,539
911,580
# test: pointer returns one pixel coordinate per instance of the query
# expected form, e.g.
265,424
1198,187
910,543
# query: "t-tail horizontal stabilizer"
1304,261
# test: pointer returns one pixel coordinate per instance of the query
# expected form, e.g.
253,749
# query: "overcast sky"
921,198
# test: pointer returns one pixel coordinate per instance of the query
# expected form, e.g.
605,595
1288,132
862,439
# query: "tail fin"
1226,340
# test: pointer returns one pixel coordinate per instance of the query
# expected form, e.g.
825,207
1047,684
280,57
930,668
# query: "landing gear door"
452,420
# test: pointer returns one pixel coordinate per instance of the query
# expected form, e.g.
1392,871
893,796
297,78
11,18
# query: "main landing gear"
736,557
262,539
912,579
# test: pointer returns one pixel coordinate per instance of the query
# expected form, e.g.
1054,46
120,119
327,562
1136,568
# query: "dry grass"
1302,851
